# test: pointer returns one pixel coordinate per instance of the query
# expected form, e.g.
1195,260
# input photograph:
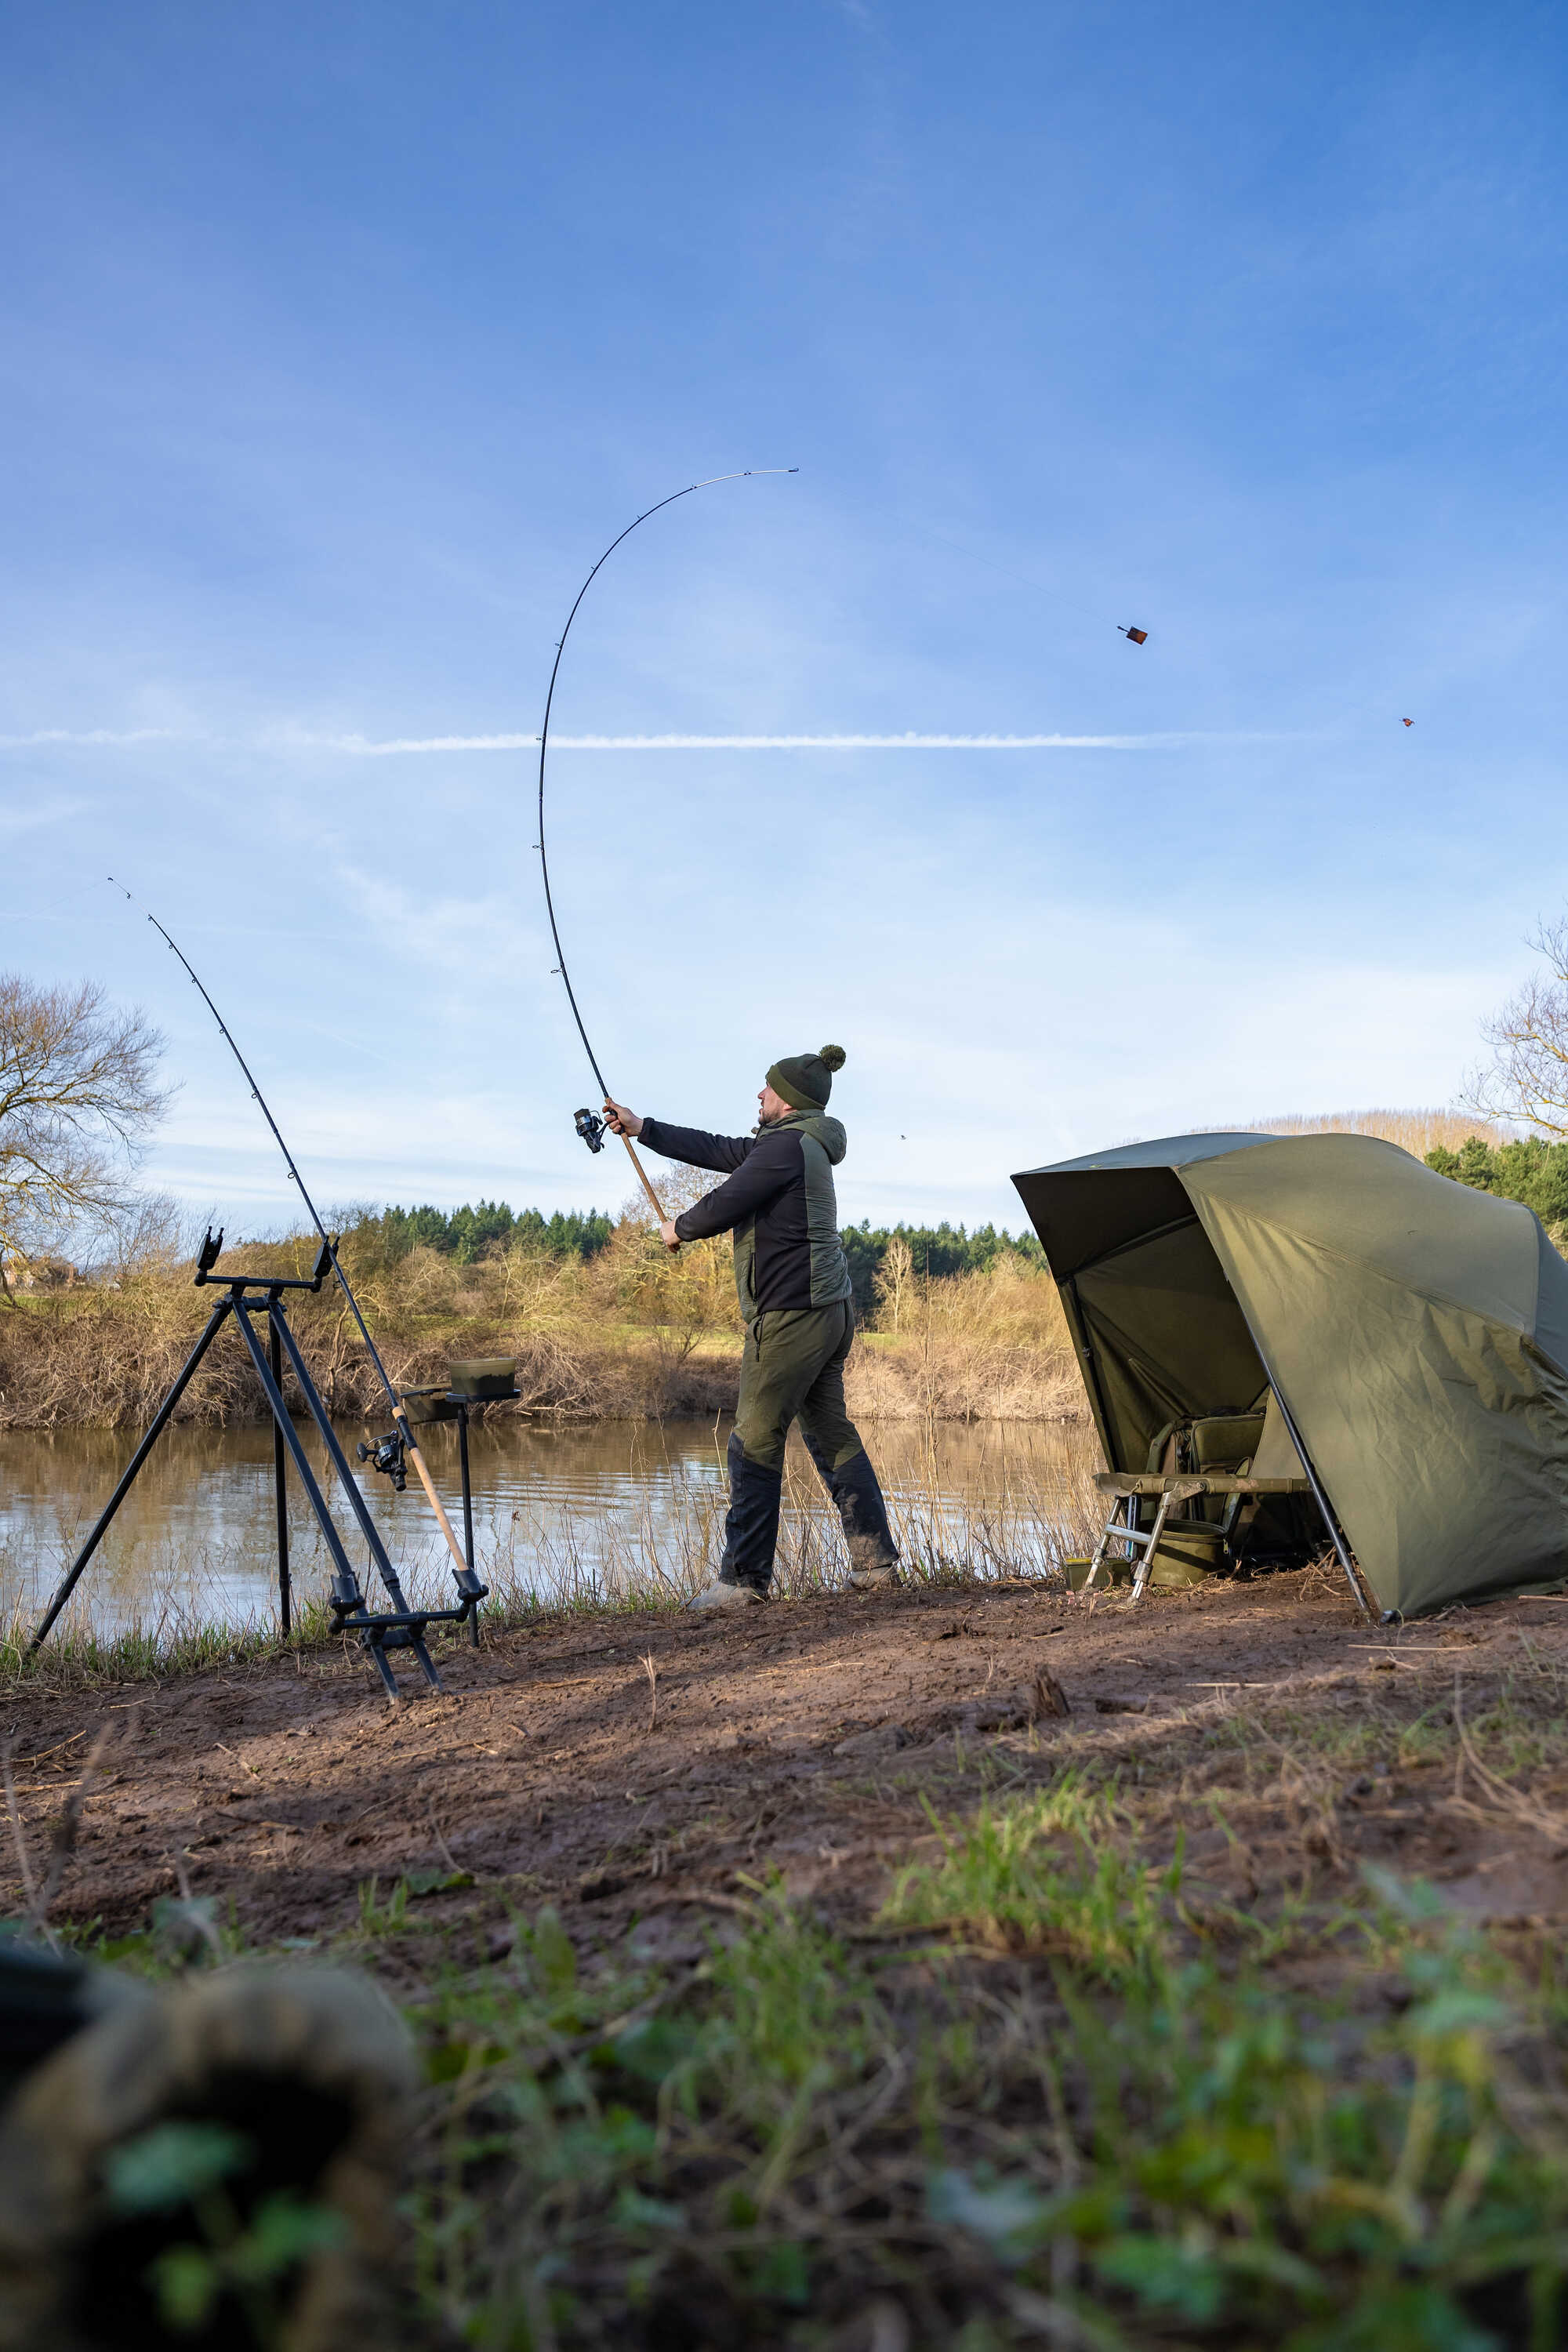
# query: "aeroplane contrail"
367,746
374,747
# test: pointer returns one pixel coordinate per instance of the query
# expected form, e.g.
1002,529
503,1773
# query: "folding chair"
1206,1478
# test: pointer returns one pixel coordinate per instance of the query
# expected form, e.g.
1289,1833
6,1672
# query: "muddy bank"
651,1765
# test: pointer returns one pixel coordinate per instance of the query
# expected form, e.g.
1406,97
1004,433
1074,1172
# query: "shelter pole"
1333,1525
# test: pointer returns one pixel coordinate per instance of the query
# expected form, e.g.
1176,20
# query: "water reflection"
605,1505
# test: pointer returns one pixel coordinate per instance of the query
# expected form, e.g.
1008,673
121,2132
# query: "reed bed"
1042,1516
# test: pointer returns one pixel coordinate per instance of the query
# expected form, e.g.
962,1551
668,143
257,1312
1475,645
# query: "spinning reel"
591,1127
385,1454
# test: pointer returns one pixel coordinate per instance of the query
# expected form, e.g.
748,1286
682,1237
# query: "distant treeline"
1532,1170
469,1234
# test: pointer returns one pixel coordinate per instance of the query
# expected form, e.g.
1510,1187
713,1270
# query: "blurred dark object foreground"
213,2163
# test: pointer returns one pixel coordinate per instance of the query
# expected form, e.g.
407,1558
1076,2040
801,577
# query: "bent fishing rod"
589,1125
399,1417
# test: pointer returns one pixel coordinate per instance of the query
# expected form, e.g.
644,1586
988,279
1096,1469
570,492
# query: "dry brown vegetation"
1416,1131
632,1332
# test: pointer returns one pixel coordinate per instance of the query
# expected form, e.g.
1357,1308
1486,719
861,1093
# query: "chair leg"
1236,1550
1112,1531
1094,1565
1122,1527
1141,1577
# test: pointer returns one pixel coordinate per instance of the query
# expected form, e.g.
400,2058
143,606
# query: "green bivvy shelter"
1415,1332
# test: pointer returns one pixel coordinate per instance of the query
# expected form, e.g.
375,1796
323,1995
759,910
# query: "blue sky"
337,342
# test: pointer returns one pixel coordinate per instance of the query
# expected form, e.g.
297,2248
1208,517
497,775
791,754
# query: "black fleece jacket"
766,1193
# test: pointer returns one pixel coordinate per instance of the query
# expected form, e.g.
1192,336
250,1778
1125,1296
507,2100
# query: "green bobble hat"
805,1080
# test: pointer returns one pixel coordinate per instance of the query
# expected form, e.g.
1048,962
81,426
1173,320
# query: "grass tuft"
1137,2148
1044,1873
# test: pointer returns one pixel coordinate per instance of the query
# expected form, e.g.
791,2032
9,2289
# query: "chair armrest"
1148,1482
1180,1489
1238,1485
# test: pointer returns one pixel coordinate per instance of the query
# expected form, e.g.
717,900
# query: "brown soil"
799,1739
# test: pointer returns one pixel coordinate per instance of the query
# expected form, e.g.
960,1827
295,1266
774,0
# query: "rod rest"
395,1629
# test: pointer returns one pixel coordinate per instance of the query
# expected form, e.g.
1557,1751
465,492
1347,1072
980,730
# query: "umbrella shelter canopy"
1415,1331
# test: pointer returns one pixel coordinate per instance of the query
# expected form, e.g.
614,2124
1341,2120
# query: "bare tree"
1527,1077
896,1279
79,1098
149,1233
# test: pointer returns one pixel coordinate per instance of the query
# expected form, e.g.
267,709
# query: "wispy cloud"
92,735
31,820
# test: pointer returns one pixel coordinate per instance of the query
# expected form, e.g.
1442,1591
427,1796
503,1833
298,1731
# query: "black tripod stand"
397,1628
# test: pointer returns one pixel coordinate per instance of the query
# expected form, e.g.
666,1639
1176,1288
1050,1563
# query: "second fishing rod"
399,1418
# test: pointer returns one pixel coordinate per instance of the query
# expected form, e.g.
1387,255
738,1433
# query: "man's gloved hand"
217,2164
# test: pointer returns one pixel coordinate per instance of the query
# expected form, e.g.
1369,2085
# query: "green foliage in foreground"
176,2165
1532,1170
1126,2139
1058,2093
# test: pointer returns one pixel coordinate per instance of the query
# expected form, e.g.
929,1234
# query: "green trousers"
793,1370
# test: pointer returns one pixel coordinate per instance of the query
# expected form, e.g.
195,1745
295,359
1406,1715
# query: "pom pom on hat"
832,1057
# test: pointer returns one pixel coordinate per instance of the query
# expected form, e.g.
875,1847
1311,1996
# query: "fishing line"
398,1415
589,1127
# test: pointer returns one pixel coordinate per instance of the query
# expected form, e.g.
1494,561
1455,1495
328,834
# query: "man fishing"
794,1282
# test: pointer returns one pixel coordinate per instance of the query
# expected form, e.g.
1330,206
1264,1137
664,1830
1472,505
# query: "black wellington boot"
750,1527
873,1554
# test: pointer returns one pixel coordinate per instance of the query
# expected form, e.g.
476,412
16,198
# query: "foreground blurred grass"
1058,2091
1169,2151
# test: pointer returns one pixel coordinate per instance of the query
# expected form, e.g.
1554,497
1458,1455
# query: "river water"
613,1509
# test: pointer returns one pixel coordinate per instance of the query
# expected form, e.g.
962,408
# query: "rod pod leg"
346,1596
68,1584
279,1486
413,1637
